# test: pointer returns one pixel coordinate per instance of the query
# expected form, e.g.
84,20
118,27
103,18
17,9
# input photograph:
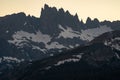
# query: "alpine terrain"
58,46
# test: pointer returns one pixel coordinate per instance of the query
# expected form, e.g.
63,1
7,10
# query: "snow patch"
12,59
75,58
68,33
78,56
70,46
66,60
117,38
116,46
7,31
86,35
76,45
21,36
60,51
117,55
90,34
51,54
114,43
54,45
38,48
25,23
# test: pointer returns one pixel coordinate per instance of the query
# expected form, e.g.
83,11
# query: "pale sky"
101,9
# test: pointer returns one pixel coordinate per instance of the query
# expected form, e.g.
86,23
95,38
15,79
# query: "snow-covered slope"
85,35
90,34
10,59
68,33
22,38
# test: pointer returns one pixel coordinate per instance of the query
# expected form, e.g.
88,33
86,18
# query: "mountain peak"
46,6
21,14
51,17
88,20
61,10
76,15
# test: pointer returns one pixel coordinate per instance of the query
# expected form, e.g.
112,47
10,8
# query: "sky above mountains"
101,9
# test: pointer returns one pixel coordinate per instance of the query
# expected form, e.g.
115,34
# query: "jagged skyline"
101,9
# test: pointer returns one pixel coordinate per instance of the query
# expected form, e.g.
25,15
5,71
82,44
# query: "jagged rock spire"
51,17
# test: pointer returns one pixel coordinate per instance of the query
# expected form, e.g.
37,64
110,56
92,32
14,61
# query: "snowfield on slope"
21,38
90,34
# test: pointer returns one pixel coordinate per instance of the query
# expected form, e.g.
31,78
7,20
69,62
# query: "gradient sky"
101,9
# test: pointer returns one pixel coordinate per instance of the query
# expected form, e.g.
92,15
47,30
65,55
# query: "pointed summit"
96,20
48,10
88,20
76,15
67,12
92,23
46,6
61,10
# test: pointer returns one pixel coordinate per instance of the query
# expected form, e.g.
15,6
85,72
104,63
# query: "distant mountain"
27,38
55,30
93,61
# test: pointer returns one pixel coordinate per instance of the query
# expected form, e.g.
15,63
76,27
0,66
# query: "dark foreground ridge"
94,61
